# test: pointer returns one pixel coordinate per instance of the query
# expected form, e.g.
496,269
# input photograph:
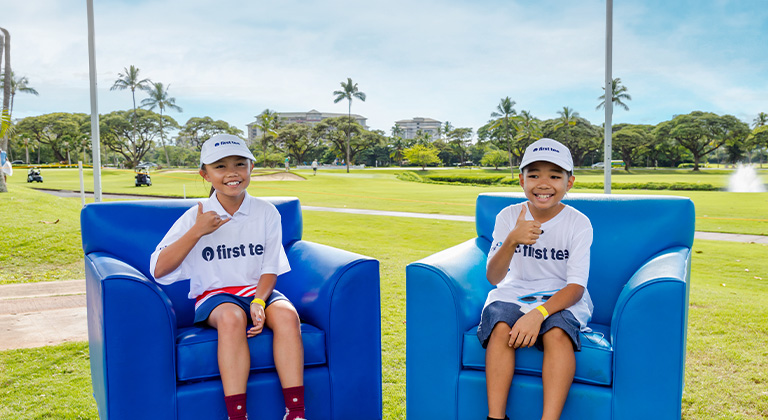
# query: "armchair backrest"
628,230
130,231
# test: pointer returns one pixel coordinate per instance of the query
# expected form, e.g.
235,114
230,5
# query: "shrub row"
675,186
506,180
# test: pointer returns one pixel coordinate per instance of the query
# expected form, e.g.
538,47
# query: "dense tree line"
131,136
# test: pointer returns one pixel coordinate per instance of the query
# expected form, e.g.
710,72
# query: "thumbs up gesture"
525,232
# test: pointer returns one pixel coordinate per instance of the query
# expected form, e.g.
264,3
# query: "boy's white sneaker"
285,417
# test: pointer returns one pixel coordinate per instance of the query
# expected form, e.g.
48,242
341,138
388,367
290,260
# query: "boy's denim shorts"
509,312
204,310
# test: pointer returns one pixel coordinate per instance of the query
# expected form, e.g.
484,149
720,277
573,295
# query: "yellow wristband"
543,311
259,301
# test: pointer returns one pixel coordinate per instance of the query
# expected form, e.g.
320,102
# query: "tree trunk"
349,129
5,51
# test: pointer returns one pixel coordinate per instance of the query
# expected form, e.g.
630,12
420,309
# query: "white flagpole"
95,140
608,93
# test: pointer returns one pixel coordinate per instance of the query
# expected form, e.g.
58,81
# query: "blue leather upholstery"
639,283
149,362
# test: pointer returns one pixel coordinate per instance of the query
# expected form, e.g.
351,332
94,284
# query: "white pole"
608,93
185,191
82,183
95,139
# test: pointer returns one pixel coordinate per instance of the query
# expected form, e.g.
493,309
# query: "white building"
412,126
310,118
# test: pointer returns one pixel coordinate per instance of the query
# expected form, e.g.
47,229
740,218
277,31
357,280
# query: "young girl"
539,261
230,247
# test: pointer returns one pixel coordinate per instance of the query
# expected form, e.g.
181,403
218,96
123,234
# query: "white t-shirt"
236,254
559,257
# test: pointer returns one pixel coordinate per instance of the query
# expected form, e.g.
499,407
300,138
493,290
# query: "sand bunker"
278,176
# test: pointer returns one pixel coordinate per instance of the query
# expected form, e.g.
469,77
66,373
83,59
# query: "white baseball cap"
223,145
548,150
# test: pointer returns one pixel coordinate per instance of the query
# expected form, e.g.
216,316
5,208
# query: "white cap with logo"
548,150
222,145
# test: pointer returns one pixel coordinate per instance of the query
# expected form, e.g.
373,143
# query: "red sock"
236,407
294,402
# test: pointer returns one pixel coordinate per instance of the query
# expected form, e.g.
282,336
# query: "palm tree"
17,85
619,94
505,111
568,118
130,80
268,122
760,120
349,91
158,98
5,116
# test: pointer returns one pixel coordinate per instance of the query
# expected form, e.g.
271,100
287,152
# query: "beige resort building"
411,127
310,118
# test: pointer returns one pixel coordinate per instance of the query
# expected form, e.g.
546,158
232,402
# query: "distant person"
234,287
314,167
539,263
7,169
287,164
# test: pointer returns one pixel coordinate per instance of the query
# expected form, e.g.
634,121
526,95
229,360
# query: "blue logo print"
208,253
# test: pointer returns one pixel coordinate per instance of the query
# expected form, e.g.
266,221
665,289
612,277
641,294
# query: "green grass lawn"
726,369
716,211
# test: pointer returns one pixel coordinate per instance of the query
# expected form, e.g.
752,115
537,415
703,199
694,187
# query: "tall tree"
5,120
268,122
702,132
568,118
333,131
130,80
158,98
116,128
349,91
297,140
505,111
630,140
528,131
422,155
199,129
397,144
619,95
760,120
20,84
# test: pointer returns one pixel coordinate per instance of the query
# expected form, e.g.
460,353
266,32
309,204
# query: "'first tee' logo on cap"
545,149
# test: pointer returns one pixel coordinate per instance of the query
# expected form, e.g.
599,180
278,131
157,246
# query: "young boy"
539,261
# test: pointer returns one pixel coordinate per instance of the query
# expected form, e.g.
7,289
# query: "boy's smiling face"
545,185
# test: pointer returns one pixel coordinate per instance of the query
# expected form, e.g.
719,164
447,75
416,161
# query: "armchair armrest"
339,292
132,335
648,333
446,292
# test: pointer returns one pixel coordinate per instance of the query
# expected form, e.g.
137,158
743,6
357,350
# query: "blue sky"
450,60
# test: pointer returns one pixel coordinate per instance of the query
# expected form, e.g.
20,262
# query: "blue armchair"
148,360
631,365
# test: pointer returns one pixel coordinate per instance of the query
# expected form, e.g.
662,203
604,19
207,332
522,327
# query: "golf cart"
34,175
142,176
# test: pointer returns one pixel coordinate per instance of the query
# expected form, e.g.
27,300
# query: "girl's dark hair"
210,193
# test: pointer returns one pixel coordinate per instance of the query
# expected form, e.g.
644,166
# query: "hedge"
507,180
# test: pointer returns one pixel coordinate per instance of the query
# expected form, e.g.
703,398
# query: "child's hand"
207,222
259,318
525,332
526,232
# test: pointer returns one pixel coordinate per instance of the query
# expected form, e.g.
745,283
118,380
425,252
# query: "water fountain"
745,179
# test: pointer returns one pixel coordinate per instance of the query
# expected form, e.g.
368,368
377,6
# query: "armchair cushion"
594,363
196,351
